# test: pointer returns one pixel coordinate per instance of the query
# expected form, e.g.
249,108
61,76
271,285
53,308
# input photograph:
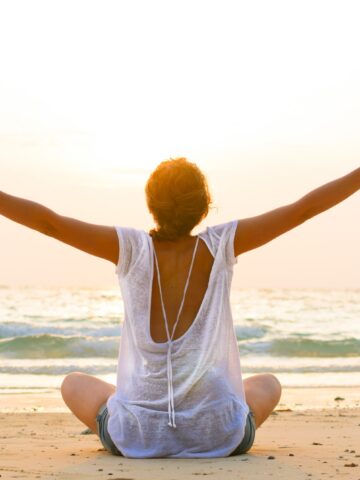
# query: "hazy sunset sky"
263,96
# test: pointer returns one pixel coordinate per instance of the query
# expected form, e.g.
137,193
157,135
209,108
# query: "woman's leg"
262,393
84,395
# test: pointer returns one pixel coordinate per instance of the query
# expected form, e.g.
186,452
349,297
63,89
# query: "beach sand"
310,435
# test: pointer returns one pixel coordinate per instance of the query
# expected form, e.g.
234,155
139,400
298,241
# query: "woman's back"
205,376
174,261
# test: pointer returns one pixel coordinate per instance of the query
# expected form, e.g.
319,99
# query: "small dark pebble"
350,465
316,443
73,454
338,399
100,469
291,455
271,457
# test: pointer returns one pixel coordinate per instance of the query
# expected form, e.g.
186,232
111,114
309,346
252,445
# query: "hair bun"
178,197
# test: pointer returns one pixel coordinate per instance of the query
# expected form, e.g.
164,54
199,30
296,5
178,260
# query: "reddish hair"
178,198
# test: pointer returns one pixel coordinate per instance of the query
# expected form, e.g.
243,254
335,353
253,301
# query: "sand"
310,435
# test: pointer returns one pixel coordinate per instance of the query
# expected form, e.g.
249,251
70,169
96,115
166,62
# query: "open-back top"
203,388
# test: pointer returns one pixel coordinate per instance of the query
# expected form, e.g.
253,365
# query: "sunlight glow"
146,87
262,95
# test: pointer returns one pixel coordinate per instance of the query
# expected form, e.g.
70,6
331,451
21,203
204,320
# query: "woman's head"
178,198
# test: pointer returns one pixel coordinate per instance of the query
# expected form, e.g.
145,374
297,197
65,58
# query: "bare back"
174,261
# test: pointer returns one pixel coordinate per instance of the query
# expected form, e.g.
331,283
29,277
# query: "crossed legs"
84,394
262,393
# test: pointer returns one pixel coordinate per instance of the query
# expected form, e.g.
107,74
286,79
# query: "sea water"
305,337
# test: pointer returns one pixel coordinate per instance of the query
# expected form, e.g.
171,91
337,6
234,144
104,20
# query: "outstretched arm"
98,240
256,231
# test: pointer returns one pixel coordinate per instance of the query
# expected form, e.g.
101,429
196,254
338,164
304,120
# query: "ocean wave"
268,368
23,329
93,369
303,347
66,328
58,369
50,345
248,332
56,346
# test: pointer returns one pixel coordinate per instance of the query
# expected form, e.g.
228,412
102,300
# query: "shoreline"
49,400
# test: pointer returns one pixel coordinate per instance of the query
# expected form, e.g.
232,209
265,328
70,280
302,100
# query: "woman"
179,389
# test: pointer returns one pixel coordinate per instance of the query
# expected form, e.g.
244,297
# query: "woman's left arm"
256,231
331,193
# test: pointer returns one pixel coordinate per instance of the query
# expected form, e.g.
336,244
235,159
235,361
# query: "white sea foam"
300,334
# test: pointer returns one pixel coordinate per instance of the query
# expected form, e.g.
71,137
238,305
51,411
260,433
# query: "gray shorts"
249,436
102,419
102,430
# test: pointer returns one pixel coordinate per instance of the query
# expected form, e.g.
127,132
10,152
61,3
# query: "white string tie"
171,403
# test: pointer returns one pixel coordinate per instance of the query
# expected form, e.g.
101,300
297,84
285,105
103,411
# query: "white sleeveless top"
182,398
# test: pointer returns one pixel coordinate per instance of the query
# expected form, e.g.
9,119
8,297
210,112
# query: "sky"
262,96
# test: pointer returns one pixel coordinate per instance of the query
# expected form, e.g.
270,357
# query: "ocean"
308,338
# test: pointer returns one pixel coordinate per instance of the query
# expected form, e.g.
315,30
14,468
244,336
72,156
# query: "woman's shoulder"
133,242
132,233
220,237
130,238
219,230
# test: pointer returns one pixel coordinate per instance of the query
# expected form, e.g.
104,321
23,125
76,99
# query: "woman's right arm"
98,240
26,212
256,231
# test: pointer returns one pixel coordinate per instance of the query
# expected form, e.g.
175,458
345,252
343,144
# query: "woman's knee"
70,384
266,385
262,394
275,386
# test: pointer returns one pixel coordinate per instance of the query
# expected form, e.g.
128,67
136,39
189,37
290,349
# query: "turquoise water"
305,337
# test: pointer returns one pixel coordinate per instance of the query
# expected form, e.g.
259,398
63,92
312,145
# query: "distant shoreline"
293,398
